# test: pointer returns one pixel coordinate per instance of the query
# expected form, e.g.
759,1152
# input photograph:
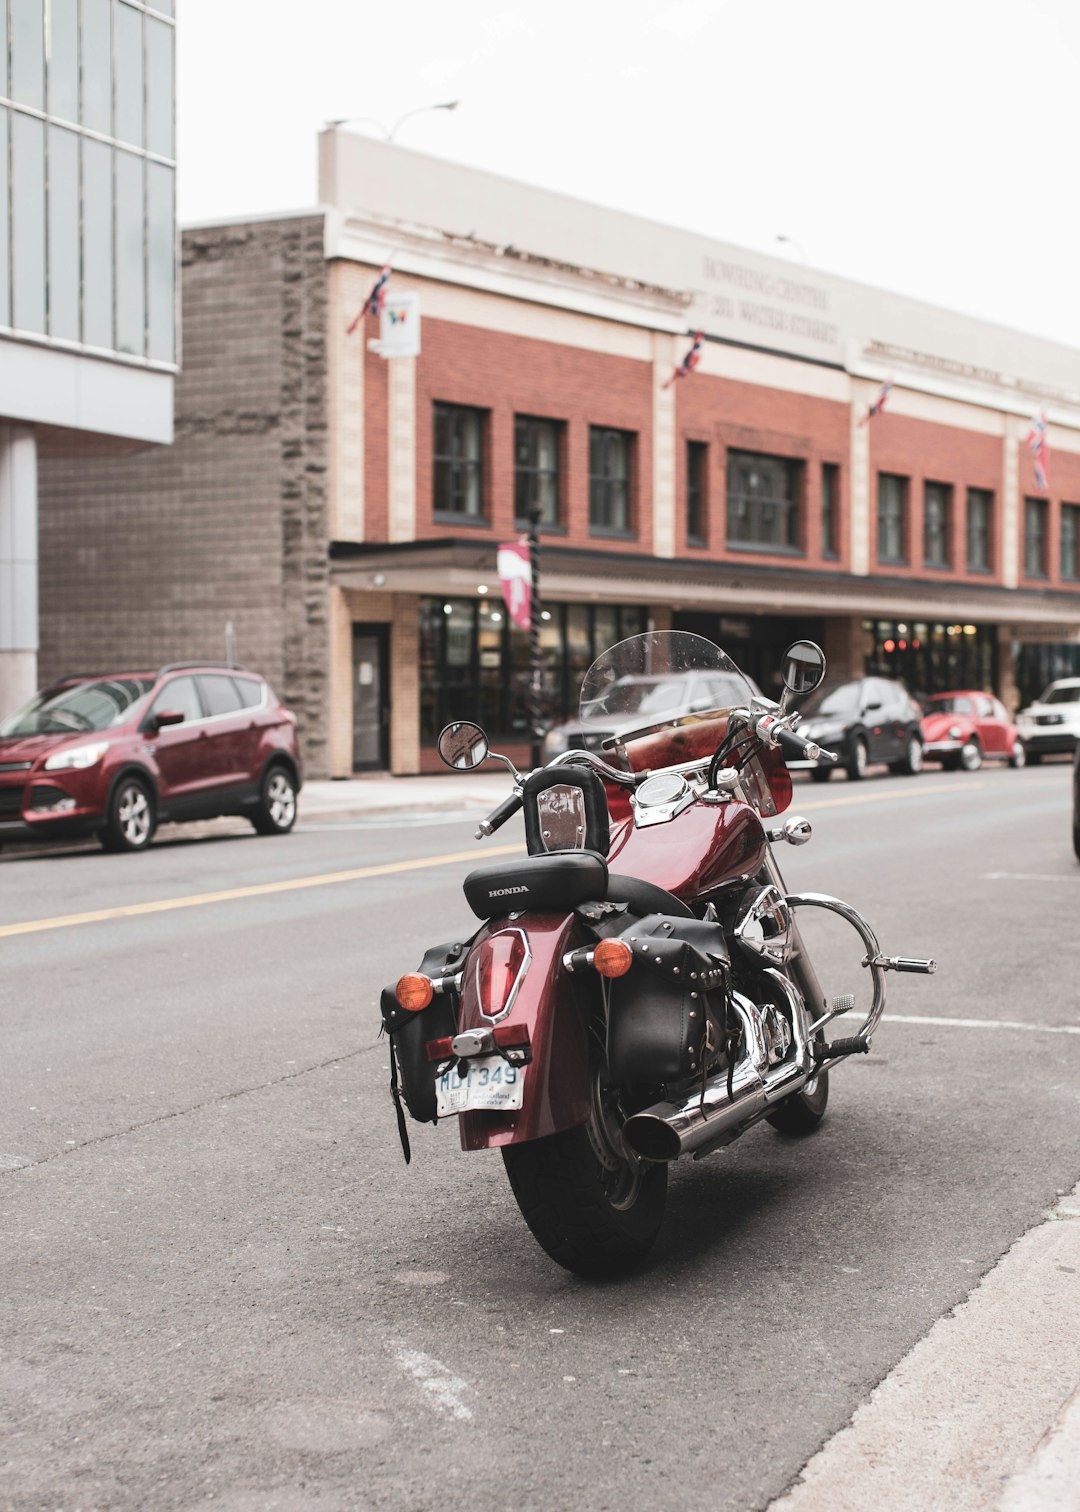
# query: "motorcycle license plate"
489,1084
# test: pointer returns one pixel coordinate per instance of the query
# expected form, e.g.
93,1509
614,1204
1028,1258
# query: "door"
371,698
990,723
181,750
229,729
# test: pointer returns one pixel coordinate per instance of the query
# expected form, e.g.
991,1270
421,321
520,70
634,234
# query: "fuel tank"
704,846
556,1092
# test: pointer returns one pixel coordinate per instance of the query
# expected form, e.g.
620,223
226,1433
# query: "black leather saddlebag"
670,1009
412,1075
541,884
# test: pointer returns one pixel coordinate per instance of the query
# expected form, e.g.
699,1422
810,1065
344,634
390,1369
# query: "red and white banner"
1039,448
515,575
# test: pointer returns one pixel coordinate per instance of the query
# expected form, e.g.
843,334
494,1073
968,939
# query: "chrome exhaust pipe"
667,1129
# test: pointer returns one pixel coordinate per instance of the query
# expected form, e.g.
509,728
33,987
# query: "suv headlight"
77,758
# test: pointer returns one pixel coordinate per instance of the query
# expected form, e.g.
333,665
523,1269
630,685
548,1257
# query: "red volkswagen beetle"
962,730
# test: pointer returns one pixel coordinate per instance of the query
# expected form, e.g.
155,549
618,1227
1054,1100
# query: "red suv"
116,756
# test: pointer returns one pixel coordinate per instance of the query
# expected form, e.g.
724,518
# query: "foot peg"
856,1045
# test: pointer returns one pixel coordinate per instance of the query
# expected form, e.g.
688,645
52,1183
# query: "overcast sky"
925,146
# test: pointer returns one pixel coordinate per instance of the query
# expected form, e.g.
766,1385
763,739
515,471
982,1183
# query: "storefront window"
476,664
933,658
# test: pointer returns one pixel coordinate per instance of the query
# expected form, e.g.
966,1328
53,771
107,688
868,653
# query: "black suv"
872,719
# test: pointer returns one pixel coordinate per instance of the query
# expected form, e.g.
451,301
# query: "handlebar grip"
498,816
799,748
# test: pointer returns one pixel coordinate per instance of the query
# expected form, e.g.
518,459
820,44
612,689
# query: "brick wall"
514,375
145,558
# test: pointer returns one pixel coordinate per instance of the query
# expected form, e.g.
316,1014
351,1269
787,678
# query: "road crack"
209,1102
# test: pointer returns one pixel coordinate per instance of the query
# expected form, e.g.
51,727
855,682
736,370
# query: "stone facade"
146,558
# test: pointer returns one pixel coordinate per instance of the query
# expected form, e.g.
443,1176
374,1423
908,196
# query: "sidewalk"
356,797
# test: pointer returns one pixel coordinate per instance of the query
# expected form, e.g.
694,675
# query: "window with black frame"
1070,542
980,506
937,510
830,509
458,473
697,456
764,502
892,519
610,460
1035,538
537,452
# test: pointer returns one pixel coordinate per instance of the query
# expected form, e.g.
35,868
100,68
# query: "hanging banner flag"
879,403
373,304
515,575
399,327
689,362
1039,448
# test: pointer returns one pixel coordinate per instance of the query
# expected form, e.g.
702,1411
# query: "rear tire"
856,767
276,811
912,763
593,1205
820,774
971,756
1017,756
131,820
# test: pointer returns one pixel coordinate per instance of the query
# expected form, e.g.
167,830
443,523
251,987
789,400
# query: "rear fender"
550,1005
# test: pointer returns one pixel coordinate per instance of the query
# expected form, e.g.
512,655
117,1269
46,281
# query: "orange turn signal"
414,992
612,958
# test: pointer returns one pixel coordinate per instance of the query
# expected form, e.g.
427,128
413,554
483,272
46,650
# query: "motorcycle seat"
560,881
552,883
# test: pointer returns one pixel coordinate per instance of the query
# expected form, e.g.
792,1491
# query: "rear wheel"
856,766
1017,756
820,774
276,812
130,821
591,1203
912,763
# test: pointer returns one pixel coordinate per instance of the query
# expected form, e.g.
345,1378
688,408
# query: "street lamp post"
536,669
388,136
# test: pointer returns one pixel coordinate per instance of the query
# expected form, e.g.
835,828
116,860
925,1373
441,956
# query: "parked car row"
115,756
874,719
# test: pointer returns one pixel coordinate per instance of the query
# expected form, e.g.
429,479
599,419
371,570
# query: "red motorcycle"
638,988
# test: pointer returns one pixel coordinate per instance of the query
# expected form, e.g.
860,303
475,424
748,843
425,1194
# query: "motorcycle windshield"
662,678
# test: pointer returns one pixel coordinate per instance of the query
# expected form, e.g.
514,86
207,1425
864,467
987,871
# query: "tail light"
501,964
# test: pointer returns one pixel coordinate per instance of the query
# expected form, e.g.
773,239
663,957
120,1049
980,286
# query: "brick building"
343,510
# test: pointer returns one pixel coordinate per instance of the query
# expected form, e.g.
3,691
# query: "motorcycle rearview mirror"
803,667
463,746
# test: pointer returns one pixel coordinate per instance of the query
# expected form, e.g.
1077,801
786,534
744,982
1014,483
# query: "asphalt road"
223,1289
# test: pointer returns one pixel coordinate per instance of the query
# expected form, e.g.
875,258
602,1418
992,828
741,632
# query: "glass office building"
87,171
87,259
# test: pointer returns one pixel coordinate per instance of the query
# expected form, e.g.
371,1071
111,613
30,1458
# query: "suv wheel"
130,821
276,813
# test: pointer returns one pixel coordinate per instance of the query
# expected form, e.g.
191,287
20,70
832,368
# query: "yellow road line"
331,879
258,890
